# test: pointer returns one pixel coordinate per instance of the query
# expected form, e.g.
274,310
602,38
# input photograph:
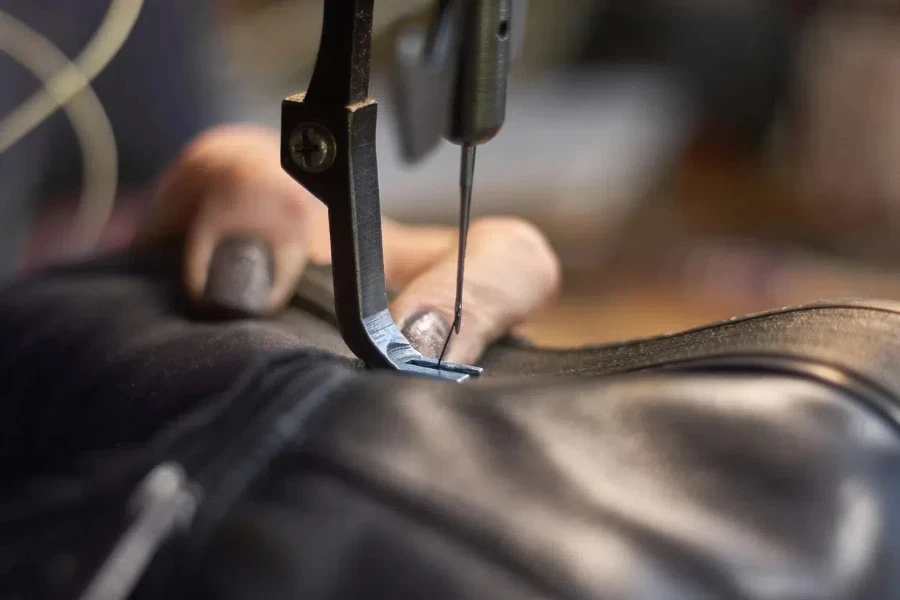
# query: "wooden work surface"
620,306
728,242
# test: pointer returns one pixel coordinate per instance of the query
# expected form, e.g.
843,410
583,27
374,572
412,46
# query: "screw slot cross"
312,148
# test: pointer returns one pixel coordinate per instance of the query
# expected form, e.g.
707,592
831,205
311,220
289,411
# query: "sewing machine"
451,83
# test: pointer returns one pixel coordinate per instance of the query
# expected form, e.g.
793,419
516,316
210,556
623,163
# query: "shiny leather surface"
752,459
667,486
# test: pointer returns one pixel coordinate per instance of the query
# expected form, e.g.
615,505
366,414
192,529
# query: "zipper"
165,502
249,450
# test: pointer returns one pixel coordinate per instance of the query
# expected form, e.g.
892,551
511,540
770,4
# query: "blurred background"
690,160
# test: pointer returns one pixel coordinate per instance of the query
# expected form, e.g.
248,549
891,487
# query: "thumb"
249,229
511,270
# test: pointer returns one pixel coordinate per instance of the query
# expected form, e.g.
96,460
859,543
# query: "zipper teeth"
175,441
168,502
244,454
165,503
247,456
222,411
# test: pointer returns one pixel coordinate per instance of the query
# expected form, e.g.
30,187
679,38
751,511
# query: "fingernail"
427,332
241,274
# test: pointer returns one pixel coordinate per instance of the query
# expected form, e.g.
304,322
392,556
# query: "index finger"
248,227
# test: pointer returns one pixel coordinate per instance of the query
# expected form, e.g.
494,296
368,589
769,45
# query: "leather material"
756,458
662,486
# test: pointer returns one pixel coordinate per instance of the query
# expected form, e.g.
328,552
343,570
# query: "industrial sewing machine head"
451,83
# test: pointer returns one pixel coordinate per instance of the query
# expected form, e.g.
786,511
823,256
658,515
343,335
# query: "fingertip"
525,240
427,331
511,270
240,275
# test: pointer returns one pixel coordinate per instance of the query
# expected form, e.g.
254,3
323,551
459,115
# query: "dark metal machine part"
328,146
450,81
478,107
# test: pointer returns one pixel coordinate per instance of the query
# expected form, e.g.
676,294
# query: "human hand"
249,230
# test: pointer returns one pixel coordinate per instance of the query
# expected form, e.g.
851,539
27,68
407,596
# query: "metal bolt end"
312,147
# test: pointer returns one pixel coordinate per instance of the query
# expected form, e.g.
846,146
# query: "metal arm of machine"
328,146
450,80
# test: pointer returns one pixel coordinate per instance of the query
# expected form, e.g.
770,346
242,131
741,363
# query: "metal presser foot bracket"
328,146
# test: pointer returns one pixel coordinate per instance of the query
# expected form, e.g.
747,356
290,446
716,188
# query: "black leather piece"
754,459
658,486
98,356
310,535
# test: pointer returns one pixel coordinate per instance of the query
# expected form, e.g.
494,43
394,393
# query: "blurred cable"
64,84
67,84
88,119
